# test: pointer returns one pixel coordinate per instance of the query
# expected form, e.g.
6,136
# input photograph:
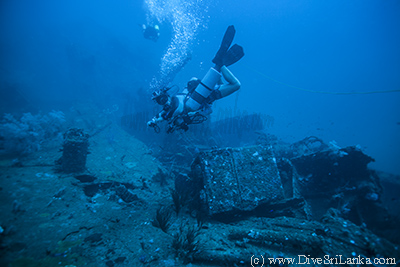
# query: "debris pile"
75,150
315,200
286,241
238,179
243,179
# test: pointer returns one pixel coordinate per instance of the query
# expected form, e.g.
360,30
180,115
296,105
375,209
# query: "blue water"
58,52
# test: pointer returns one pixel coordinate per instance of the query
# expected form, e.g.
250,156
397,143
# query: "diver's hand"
151,123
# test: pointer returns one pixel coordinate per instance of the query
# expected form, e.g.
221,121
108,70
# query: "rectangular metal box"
238,179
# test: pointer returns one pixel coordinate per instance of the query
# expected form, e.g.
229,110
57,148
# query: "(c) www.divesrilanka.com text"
307,259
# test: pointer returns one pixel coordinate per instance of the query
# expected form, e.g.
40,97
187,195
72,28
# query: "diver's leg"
233,83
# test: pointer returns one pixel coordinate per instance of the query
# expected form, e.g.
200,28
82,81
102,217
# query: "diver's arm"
158,118
233,83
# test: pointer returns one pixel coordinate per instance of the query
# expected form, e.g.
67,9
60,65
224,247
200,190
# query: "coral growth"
178,201
185,242
26,134
162,219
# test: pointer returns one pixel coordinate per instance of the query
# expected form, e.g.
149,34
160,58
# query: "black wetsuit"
150,33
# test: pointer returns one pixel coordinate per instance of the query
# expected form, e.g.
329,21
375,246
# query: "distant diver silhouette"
151,32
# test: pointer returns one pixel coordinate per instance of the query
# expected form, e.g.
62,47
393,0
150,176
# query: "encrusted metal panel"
258,176
239,178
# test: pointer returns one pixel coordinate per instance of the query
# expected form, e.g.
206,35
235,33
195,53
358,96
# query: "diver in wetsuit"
200,94
172,105
151,32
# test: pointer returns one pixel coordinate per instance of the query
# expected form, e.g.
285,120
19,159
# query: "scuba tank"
226,55
203,90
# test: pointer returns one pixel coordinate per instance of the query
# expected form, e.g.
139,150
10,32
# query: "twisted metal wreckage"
306,198
315,199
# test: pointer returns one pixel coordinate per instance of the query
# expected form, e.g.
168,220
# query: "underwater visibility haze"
55,53
311,138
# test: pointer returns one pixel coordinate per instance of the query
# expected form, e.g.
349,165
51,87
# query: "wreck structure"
315,199
75,150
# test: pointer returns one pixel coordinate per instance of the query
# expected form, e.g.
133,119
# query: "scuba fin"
233,55
225,44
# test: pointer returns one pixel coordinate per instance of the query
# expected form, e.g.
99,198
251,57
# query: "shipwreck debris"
237,179
85,178
75,150
234,183
293,241
340,178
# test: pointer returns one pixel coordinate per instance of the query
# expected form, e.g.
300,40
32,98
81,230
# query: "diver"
173,105
151,32
198,96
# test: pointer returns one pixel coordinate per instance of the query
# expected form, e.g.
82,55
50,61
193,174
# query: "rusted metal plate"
238,179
